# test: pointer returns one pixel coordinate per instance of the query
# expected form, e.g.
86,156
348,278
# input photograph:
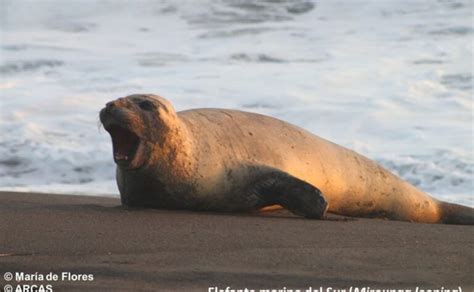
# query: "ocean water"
389,79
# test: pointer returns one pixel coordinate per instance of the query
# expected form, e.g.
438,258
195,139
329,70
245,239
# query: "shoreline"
145,249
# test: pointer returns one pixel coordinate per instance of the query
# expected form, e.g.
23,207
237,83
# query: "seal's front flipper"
299,197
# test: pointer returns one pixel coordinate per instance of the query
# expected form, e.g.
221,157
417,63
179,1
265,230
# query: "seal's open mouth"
125,144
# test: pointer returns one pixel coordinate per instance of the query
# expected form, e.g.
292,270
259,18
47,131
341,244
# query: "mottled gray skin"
228,160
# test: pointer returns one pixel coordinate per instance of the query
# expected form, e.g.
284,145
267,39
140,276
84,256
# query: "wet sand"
141,249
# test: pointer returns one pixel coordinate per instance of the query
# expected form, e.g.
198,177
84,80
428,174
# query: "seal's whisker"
99,124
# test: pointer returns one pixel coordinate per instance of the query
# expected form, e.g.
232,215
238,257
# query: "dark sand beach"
155,250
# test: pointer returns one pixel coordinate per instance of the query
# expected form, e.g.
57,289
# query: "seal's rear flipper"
270,208
299,197
456,214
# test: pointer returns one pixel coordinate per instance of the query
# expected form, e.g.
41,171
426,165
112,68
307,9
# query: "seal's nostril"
110,104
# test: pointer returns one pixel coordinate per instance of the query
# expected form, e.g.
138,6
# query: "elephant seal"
229,160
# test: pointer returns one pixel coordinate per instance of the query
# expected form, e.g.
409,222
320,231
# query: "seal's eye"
146,105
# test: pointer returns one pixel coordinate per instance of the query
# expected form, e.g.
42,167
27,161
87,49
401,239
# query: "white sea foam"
389,79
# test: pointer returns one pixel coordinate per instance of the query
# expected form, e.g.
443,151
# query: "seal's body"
228,160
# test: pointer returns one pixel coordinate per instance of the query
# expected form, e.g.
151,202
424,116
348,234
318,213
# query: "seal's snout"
116,112
120,102
107,111
110,105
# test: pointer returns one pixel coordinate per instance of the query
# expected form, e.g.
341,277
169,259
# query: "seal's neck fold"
172,157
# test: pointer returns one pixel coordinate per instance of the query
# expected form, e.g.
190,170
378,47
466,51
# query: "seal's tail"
456,214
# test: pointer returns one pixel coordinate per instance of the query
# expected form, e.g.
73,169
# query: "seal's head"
137,123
